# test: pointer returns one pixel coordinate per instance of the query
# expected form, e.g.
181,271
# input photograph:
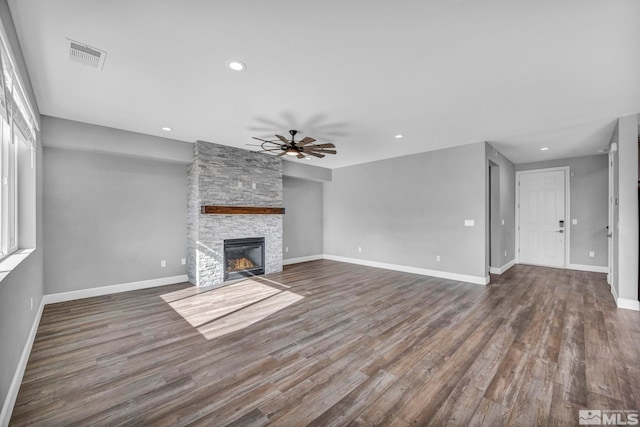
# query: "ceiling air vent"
86,55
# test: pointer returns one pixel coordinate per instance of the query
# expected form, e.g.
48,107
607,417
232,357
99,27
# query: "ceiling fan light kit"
300,149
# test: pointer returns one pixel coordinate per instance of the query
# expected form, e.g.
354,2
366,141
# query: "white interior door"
542,219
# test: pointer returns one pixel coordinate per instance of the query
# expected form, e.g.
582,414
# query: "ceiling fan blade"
318,150
300,156
281,154
306,140
328,145
283,139
315,154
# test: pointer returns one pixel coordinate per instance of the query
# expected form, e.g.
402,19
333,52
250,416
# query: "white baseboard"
301,259
628,304
615,294
14,388
113,289
500,270
478,280
591,268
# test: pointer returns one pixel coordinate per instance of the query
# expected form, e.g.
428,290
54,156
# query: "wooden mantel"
241,210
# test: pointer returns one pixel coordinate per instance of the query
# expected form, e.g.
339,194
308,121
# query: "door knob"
610,235
560,231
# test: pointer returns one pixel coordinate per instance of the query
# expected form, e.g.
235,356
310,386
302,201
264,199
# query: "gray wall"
111,219
589,190
61,133
503,240
303,228
305,171
25,282
409,209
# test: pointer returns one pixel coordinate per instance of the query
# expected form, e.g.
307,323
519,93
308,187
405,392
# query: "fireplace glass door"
243,257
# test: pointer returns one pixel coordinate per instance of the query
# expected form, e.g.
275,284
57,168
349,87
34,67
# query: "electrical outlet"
286,248
183,261
469,223
505,253
239,184
359,248
438,258
574,221
163,263
503,222
592,254
253,185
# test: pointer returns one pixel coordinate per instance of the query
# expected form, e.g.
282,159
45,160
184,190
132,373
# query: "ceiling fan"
301,149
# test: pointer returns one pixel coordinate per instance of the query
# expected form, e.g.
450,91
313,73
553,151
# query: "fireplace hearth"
243,257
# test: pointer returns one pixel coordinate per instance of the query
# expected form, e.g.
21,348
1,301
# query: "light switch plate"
469,223
574,221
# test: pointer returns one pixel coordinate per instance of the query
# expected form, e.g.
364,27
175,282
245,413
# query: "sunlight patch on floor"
220,311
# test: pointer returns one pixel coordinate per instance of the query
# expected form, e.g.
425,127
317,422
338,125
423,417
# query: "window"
17,141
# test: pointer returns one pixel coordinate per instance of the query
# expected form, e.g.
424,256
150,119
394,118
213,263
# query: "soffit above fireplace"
241,210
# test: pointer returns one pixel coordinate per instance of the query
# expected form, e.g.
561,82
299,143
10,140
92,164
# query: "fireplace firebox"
243,257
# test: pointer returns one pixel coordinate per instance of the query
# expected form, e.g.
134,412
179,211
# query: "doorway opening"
542,209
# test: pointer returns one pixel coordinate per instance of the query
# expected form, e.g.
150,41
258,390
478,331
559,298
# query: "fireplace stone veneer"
224,176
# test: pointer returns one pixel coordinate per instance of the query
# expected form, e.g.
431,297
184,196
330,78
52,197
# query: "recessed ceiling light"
398,136
167,129
236,65
544,149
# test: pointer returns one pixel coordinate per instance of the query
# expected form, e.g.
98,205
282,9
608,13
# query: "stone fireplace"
222,176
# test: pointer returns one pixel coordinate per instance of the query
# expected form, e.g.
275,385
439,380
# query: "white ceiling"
519,74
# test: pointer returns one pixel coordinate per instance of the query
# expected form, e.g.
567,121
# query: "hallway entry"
541,213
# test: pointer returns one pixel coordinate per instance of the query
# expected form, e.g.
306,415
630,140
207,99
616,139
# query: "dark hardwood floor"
326,343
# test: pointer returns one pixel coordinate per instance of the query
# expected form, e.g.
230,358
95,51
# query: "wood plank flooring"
333,344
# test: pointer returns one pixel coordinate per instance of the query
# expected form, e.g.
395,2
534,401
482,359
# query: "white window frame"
17,125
